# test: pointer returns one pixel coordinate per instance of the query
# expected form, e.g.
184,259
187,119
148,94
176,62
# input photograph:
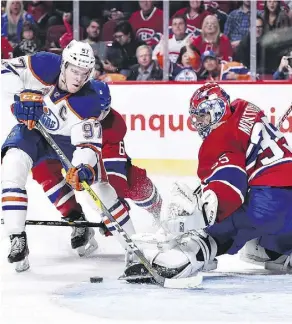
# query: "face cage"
204,130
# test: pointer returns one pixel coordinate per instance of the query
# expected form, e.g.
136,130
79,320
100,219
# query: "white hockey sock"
121,215
108,196
16,165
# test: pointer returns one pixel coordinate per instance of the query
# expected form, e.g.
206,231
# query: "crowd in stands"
208,40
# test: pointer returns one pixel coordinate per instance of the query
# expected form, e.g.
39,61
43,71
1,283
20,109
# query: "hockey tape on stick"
164,282
284,117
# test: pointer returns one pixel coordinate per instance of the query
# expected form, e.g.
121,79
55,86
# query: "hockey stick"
164,282
284,117
64,223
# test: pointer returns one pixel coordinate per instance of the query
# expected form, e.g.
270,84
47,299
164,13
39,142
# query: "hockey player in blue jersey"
59,94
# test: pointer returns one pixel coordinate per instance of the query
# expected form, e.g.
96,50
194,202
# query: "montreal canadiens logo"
145,34
49,120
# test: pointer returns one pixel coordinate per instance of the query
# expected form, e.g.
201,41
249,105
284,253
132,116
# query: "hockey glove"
83,172
28,107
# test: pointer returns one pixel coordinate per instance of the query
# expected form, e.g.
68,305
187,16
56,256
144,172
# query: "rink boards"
160,136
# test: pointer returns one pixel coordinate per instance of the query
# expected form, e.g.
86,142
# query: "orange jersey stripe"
94,148
119,214
10,198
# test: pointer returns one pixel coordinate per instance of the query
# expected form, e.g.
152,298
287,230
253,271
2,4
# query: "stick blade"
184,283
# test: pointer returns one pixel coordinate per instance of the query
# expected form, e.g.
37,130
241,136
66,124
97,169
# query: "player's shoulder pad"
88,102
114,127
45,67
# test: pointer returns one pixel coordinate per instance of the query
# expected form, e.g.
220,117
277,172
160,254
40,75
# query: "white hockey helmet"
79,54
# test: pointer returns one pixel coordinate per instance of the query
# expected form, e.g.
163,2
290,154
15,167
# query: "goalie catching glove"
189,210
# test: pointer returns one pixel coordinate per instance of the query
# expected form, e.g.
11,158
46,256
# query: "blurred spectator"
113,12
187,64
6,49
289,11
3,7
225,6
284,71
243,50
212,39
213,70
29,44
195,13
12,21
146,69
98,68
237,24
147,22
125,45
116,10
176,41
41,12
112,68
67,37
214,9
93,34
274,17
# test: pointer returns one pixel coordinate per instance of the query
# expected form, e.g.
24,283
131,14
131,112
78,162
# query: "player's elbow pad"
209,206
85,155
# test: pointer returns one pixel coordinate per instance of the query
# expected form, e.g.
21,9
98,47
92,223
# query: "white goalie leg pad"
193,252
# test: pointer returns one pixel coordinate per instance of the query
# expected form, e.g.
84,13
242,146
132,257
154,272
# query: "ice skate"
82,239
253,253
282,264
19,252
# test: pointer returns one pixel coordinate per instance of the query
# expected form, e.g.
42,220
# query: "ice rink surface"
56,289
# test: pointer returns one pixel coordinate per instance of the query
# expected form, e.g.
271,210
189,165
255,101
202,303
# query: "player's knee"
16,165
119,184
106,193
48,171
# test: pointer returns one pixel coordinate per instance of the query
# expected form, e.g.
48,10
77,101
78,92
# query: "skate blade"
89,248
22,265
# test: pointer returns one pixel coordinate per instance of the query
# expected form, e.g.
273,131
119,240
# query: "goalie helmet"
79,54
209,106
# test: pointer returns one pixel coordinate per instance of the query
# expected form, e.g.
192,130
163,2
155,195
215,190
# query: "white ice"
56,289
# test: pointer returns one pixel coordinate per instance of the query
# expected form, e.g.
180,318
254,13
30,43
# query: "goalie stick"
180,283
284,117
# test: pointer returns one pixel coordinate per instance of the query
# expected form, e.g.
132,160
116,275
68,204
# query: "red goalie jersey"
244,151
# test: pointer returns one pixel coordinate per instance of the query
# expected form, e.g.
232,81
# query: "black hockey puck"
96,279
